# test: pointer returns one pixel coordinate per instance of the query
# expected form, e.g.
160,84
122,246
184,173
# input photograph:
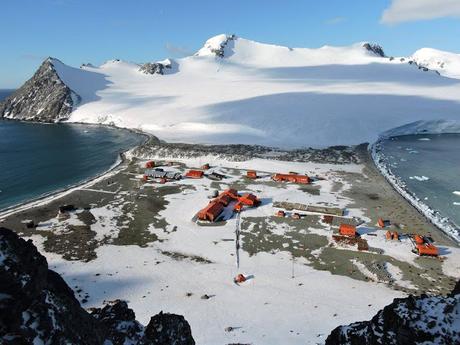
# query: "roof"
194,173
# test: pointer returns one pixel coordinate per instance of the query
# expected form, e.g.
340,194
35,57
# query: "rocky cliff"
43,98
408,321
37,306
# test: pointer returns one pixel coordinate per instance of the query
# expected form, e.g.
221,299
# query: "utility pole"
237,240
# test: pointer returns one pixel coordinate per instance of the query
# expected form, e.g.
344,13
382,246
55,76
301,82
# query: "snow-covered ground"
263,309
271,308
267,94
190,261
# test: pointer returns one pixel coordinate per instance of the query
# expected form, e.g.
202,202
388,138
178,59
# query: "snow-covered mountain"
234,90
446,63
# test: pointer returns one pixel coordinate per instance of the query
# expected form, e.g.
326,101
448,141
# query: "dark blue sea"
430,167
36,159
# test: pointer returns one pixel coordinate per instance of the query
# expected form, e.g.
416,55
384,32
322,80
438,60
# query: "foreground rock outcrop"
37,306
43,98
412,320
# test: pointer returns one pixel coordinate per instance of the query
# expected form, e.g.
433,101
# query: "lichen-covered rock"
38,307
409,321
43,98
374,48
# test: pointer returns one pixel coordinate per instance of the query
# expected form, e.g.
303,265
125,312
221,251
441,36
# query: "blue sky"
78,31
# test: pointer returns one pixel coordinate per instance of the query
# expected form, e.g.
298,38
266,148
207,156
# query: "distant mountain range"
234,90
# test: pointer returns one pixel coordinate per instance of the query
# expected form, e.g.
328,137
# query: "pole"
237,240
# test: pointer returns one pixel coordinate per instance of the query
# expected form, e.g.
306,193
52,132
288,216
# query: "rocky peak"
374,48
37,306
216,45
44,97
87,64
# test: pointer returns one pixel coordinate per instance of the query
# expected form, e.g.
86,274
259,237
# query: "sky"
79,31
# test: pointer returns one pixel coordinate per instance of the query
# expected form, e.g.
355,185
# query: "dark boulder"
168,329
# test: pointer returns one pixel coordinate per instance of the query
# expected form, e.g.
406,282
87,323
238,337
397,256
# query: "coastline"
443,223
59,193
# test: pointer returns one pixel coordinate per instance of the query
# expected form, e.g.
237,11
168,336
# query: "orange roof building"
194,174
249,200
211,212
419,239
252,174
347,230
427,249
294,178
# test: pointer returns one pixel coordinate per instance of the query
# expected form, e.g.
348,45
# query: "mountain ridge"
235,90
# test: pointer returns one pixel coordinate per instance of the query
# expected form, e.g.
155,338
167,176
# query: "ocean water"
5,93
430,167
37,159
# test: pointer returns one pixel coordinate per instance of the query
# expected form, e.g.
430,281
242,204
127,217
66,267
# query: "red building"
347,230
194,174
249,200
211,212
301,179
150,164
251,174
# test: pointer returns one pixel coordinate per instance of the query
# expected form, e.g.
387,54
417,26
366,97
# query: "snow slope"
240,91
446,63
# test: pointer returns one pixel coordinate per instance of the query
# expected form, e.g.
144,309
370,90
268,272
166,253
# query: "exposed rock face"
155,67
220,52
374,48
43,98
411,320
216,45
37,306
